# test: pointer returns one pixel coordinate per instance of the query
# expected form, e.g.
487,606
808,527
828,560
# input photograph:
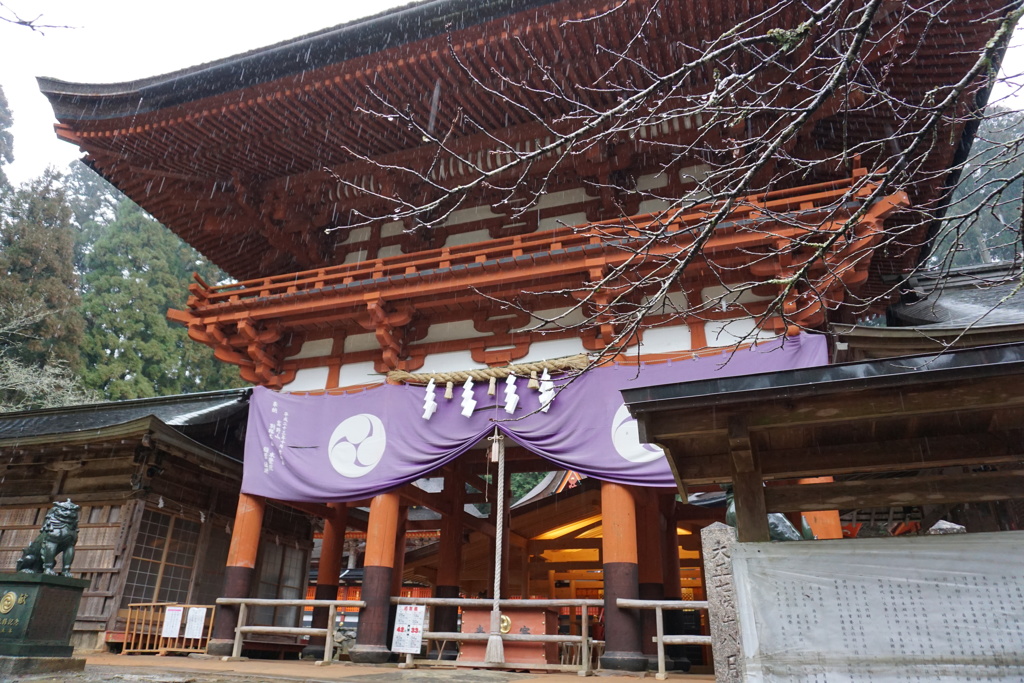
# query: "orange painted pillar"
372,637
241,565
621,579
332,548
824,523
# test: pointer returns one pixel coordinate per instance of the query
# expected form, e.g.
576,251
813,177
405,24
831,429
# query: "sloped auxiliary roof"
961,409
231,155
178,411
202,427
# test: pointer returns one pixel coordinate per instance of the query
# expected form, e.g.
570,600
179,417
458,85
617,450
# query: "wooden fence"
580,661
164,628
661,639
328,633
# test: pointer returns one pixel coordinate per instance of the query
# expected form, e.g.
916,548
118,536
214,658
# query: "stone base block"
671,663
312,652
218,647
624,661
369,654
27,666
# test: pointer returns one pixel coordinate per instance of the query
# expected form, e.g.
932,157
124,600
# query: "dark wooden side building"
158,483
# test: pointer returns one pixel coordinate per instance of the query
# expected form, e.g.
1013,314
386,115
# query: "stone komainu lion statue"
57,537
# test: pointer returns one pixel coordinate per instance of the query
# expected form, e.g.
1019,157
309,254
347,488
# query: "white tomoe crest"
626,439
357,445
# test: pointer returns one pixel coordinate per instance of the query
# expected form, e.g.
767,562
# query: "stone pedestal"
37,614
35,666
718,541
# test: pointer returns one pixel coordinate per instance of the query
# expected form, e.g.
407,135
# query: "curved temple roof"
399,26
241,157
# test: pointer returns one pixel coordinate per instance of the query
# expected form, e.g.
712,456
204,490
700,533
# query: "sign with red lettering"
408,636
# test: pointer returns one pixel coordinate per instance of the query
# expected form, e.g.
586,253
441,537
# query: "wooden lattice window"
283,574
163,560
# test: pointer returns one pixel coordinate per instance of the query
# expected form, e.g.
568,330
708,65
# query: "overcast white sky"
120,40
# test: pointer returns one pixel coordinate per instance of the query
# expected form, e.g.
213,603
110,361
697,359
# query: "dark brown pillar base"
237,581
648,621
624,661
622,650
446,619
372,637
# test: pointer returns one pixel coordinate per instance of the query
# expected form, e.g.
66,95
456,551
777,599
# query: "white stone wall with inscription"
882,610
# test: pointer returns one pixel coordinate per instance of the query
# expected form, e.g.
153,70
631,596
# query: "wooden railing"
661,639
584,641
541,247
328,633
144,629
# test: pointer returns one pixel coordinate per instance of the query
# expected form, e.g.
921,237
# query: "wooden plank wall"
98,556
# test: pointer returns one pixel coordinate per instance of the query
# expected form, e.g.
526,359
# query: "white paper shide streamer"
429,402
468,402
547,392
511,397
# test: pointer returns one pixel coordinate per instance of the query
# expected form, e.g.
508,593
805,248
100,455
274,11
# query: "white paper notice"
172,622
408,635
194,622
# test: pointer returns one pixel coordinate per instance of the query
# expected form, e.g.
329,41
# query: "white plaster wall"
440,332
468,238
315,348
653,205
568,220
718,293
352,234
574,318
392,229
666,339
386,252
553,199
554,348
355,256
471,215
651,181
727,332
353,374
452,361
308,379
361,342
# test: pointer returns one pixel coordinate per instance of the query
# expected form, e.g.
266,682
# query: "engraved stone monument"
718,541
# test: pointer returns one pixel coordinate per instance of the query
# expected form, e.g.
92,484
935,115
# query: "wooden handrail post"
659,622
329,638
236,650
585,643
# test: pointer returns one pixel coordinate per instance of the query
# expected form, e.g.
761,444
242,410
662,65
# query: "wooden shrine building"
405,334
157,480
